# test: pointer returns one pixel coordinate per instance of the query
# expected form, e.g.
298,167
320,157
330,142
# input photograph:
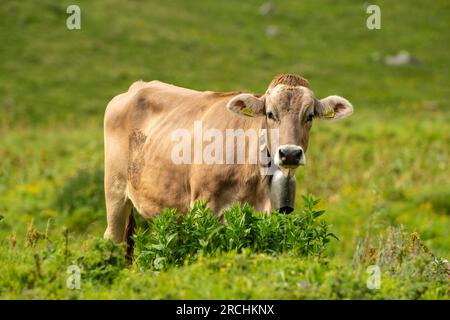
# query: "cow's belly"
160,187
223,185
154,182
178,186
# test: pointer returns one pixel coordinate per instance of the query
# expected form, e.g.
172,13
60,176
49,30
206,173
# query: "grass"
410,271
382,174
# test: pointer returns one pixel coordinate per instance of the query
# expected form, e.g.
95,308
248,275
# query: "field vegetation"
382,175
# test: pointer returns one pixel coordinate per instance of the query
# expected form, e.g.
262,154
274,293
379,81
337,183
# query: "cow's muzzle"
282,192
289,156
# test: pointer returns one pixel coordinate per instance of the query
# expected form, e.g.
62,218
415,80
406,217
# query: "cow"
139,167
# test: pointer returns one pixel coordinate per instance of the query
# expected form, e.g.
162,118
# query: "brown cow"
140,170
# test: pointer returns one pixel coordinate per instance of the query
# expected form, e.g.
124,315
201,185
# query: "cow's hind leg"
129,236
117,217
118,208
121,223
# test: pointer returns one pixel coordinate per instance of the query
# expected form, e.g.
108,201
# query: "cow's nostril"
297,154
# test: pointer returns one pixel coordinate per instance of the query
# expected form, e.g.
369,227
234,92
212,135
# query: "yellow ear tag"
329,114
246,110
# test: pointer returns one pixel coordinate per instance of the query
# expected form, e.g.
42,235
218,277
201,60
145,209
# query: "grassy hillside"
382,174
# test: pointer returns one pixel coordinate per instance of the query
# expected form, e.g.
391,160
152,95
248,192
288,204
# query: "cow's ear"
247,105
333,108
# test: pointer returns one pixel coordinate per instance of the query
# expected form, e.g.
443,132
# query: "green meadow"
381,175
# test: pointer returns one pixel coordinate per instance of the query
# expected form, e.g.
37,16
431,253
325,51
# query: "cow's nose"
290,156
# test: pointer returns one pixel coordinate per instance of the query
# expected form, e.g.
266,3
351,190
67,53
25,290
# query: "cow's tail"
129,233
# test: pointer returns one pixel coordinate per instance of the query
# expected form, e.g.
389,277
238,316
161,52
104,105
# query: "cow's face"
290,107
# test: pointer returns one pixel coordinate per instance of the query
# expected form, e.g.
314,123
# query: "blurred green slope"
50,72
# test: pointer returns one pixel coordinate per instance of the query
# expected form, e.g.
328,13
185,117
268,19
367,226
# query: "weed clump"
104,261
174,238
405,261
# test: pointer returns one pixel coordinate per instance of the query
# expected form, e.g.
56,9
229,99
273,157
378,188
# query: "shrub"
174,238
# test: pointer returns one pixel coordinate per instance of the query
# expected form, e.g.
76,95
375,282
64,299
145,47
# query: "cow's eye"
269,115
310,117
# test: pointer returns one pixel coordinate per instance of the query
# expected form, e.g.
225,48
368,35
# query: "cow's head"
289,105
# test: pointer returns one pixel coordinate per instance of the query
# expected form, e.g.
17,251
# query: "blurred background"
387,165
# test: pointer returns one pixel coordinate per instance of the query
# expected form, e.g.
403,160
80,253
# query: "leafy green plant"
104,261
174,238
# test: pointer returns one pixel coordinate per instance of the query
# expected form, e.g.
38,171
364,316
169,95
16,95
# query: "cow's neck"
266,164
